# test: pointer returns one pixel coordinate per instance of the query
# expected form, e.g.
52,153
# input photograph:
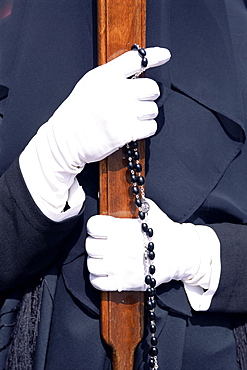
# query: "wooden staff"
121,23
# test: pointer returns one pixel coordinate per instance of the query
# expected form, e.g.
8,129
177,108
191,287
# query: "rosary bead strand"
138,190
137,186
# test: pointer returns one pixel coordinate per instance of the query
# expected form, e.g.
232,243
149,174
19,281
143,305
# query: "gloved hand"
115,250
104,111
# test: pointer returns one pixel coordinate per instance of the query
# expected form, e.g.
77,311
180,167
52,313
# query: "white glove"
104,111
183,252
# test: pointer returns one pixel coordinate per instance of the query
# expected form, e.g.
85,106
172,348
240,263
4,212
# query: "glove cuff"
201,288
49,179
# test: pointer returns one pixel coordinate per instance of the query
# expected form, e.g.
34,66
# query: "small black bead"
148,279
140,180
153,303
142,52
150,232
138,202
150,305
138,167
134,178
153,351
151,255
152,316
136,155
152,269
150,246
135,47
153,341
131,165
135,190
144,227
141,215
144,62
134,144
128,153
152,282
149,292
152,328
151,363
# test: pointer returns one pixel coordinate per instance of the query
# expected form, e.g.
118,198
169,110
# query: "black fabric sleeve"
231,295
29,241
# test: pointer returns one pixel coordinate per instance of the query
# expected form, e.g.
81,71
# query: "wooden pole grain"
121,23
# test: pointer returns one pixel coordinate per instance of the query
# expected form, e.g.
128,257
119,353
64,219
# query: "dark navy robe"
196,171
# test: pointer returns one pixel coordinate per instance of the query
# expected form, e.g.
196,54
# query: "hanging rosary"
138,181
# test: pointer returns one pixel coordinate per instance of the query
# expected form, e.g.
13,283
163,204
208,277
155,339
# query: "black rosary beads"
142,54
138,182
137,187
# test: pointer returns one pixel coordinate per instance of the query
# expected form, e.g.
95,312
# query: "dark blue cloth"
192,165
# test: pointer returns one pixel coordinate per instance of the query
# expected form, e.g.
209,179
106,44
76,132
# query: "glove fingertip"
146,129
